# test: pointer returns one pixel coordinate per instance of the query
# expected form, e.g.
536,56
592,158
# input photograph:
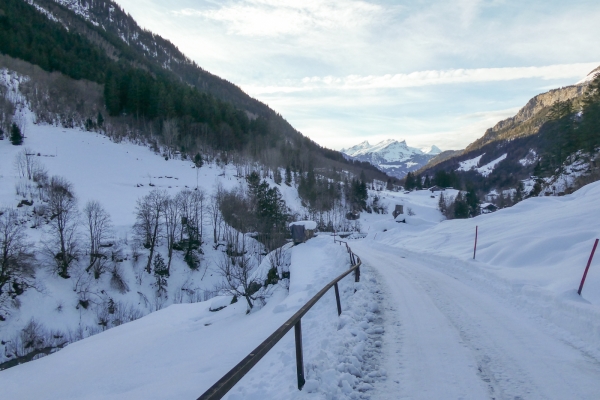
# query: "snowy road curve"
447,338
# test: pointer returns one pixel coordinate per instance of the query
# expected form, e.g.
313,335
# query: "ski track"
448,337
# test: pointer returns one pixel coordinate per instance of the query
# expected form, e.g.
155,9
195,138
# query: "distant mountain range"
391,156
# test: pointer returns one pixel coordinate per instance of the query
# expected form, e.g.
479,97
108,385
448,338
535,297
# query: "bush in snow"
32,342
16,138
161,272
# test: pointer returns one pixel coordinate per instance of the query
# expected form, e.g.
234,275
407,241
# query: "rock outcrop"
529,118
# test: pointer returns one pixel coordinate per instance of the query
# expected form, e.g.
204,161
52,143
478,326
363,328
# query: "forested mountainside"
550,147
147,87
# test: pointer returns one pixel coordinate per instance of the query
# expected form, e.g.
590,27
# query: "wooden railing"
223,385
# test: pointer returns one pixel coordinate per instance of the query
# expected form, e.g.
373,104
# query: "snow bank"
219,302
534,253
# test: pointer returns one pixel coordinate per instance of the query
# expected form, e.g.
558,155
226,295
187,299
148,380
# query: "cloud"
343,72
427,78
272,18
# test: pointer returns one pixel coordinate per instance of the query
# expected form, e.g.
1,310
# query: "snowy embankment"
180,351
532,254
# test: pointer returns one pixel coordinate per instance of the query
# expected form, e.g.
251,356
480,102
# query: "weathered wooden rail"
226,383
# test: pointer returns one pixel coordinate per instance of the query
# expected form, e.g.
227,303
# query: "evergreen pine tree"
519,193
442,203
461,208
590,131
277,176
427,183
198,162
363,178
409,182
418,182
501,201
161,273
159,266
16,138
89,124
472,201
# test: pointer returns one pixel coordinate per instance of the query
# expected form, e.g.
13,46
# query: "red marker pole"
587,267
475,248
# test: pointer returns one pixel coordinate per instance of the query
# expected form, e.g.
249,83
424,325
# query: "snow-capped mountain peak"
392,156
358,148
434,150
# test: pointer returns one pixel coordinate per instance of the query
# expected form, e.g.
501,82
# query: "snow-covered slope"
391,156
590,77
116,175
508,324
179,352
485,170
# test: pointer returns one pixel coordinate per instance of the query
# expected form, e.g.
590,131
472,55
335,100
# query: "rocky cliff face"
529,118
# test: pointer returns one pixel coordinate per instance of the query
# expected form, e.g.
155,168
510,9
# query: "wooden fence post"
337,299
475,248
299,357
587,267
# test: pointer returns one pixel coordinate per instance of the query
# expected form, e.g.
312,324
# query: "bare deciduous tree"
172,220
27,164
16,258
236,268
170,133
148,225
192,209
98,225
64,217
214,210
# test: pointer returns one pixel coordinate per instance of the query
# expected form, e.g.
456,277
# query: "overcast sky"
430,72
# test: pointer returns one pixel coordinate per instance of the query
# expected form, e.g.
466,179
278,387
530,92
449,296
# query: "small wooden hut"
399,210
302,231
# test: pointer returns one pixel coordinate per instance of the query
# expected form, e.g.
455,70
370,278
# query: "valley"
158,223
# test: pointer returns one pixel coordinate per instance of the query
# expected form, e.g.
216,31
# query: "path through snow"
450,337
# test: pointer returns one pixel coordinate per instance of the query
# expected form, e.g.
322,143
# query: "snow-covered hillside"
180,351
484,170
391,156
116,175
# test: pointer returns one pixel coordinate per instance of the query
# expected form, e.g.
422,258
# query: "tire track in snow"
423,353
514,358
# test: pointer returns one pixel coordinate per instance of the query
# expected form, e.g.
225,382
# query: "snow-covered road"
450,337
